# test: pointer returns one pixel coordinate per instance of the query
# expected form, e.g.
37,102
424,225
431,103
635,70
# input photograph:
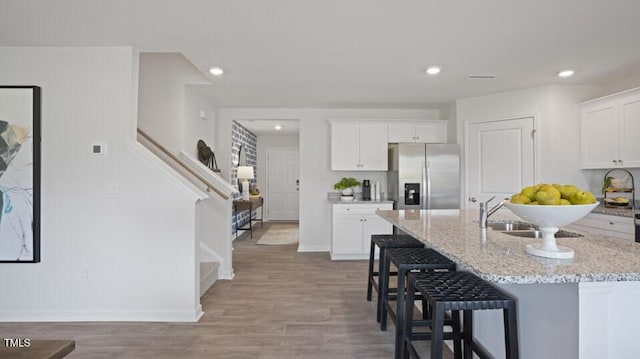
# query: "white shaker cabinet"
358,146
606,225
609,129
421,132
629,131
352,227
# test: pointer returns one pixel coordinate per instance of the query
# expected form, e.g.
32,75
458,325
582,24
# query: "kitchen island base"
586,320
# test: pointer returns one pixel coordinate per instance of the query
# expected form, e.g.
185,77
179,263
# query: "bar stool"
457,291
406,260
385,241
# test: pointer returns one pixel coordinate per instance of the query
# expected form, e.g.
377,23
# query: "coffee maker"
366,190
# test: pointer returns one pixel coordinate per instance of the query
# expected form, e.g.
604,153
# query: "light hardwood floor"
281,304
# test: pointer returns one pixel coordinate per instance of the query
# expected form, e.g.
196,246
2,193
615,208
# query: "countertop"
612,211
331,201
501,258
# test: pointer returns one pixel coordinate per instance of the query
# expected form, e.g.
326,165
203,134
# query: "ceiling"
267,127
351,53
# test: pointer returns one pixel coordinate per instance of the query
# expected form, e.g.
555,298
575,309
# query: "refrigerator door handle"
428,184
425,182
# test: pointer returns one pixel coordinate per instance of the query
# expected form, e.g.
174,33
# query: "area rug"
280,234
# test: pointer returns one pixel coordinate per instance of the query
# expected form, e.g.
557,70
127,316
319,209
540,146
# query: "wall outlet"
85,275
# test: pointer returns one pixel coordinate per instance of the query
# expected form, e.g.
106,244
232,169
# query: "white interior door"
500,159
283,184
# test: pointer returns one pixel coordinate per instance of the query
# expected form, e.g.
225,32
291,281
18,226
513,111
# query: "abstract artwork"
20,174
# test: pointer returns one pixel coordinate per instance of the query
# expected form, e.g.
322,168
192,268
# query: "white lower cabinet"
606,225
352,227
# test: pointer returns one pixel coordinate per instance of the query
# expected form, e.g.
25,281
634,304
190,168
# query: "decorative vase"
347,192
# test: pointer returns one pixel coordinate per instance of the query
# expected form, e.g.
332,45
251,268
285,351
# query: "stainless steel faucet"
485,213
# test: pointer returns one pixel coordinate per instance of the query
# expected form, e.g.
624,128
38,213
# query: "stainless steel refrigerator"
424,176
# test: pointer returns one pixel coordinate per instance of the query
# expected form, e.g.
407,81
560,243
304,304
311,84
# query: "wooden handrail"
209,185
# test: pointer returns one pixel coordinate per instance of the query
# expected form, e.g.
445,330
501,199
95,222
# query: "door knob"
472,199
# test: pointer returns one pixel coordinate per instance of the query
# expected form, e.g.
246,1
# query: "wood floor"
281,304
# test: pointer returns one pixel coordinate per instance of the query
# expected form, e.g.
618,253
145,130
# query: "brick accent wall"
249,141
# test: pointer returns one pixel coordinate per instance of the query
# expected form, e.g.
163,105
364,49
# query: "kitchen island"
584,307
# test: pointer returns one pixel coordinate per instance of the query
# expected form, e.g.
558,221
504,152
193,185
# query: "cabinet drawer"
608,223
345,209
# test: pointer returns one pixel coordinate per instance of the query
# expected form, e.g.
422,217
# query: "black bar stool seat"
406,260
458,291
384,241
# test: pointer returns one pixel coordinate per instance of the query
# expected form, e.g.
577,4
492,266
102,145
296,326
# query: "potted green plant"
345,185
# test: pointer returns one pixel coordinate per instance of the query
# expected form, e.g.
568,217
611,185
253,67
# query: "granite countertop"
355,201
612,211
501,258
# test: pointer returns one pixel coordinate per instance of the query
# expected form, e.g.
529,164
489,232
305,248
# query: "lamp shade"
245,172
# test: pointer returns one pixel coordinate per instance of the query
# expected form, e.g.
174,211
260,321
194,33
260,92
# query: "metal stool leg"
467,330
437,331
510,331
400,295
370,279
385,294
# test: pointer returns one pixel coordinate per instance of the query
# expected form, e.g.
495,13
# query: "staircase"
208,275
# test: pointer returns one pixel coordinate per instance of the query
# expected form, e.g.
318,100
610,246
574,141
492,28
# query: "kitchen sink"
538,234
510,226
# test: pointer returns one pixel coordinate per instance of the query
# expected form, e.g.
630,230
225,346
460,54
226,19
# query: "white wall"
630,79
196,128
556,120
125,257
170,102
264,143
316,177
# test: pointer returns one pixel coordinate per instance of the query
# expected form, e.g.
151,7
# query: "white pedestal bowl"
548,219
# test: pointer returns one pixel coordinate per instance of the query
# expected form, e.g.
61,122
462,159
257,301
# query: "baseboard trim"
340,257
227,275
303,248
123,316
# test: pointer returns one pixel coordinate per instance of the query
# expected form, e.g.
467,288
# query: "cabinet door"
373,224
400,132
599,135
344,147
373,147
605,225
629,121
431,132
347,234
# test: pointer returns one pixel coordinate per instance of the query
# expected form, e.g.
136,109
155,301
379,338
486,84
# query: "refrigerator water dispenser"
412,194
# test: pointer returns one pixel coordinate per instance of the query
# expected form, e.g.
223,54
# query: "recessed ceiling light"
566,73
433,70
216,71
278,127
481,77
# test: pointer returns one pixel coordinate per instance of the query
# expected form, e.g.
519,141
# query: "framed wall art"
20,174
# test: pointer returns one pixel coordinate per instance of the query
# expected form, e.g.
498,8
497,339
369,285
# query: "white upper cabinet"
599,135
424,132
358,146
629,130
609,131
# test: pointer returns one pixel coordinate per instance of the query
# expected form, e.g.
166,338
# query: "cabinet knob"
614,161
620,161
611,223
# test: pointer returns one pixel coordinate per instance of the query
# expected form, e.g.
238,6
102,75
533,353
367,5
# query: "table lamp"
245,173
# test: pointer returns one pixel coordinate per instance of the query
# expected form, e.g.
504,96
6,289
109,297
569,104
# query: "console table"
38,349
252,204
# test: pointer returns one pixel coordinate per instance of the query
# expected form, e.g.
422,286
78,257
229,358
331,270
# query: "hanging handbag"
207,157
